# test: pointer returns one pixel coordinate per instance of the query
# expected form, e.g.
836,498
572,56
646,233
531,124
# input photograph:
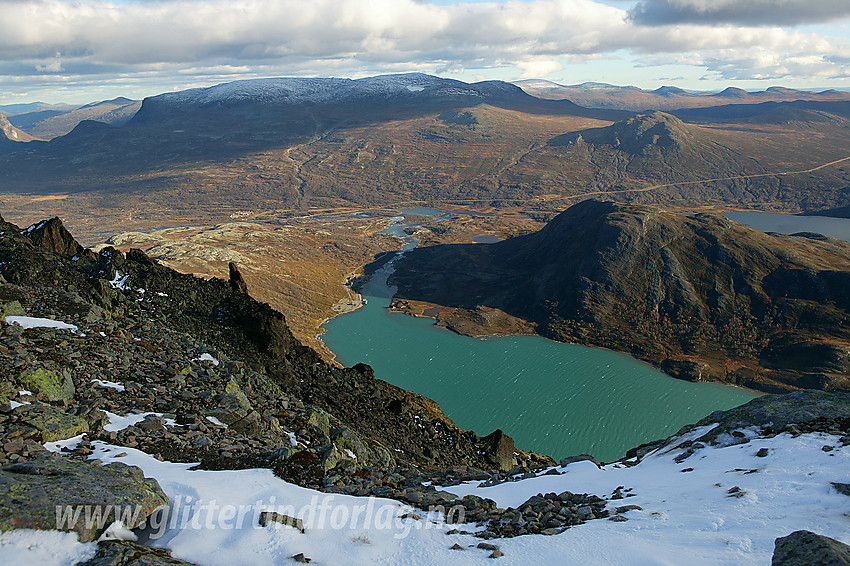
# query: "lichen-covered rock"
234,407
365,451
805,548
50,423
781,410
48,384
320,420
8,390
125,553
12,308
53,492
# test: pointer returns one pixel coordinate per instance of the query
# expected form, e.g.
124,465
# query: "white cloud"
244,38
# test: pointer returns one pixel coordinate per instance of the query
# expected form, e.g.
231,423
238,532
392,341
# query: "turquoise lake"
554,398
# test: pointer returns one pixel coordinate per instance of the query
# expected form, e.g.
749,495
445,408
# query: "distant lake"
838,228
554,398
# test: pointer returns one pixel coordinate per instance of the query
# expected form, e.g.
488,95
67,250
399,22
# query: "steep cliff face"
698,295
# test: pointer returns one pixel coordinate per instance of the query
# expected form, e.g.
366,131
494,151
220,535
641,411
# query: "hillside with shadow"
699,296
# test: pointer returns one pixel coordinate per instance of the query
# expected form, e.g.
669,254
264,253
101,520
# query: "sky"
86,50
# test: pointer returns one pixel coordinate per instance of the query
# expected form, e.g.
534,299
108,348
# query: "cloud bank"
67,41
740,12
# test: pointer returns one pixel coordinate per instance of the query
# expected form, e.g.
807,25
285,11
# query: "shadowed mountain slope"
700,296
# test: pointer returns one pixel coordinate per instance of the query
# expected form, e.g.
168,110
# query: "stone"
48,384
301,558
496,554
51,424
488,546
52,235
805,548
8,390
762,452
125,553
12,308
456,546
843,488
580,458
269,517
320,420
501,452
53,492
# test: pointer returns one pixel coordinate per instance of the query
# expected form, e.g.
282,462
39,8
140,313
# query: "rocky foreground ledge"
116,351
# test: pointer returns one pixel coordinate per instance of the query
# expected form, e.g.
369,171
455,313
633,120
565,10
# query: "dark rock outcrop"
237,283
54,237
149,326
805,548
501,449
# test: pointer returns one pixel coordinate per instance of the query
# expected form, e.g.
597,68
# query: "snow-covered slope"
722,504
323,90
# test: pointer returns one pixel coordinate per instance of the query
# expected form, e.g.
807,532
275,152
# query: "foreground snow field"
722,505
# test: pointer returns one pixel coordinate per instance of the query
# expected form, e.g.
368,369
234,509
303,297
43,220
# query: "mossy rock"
331,457
51,423
8,390
233,405
48,384
30,493
320,420
12,308
366,451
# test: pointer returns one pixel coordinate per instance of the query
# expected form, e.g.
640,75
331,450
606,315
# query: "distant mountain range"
414,138
12,138
47,121
601,95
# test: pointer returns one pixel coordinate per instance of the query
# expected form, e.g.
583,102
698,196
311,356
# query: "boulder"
688,370
12,308
49,385
50,423
501,450
805,548
53,492
580,458
125,553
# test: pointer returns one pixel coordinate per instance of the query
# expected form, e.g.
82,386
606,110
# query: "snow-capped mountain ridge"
289,90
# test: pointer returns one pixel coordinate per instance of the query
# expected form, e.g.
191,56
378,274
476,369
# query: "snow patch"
205,357
119,282
292,440
31,229
68,443
110,384
34,322
216,422
118,531
118,423
45,548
